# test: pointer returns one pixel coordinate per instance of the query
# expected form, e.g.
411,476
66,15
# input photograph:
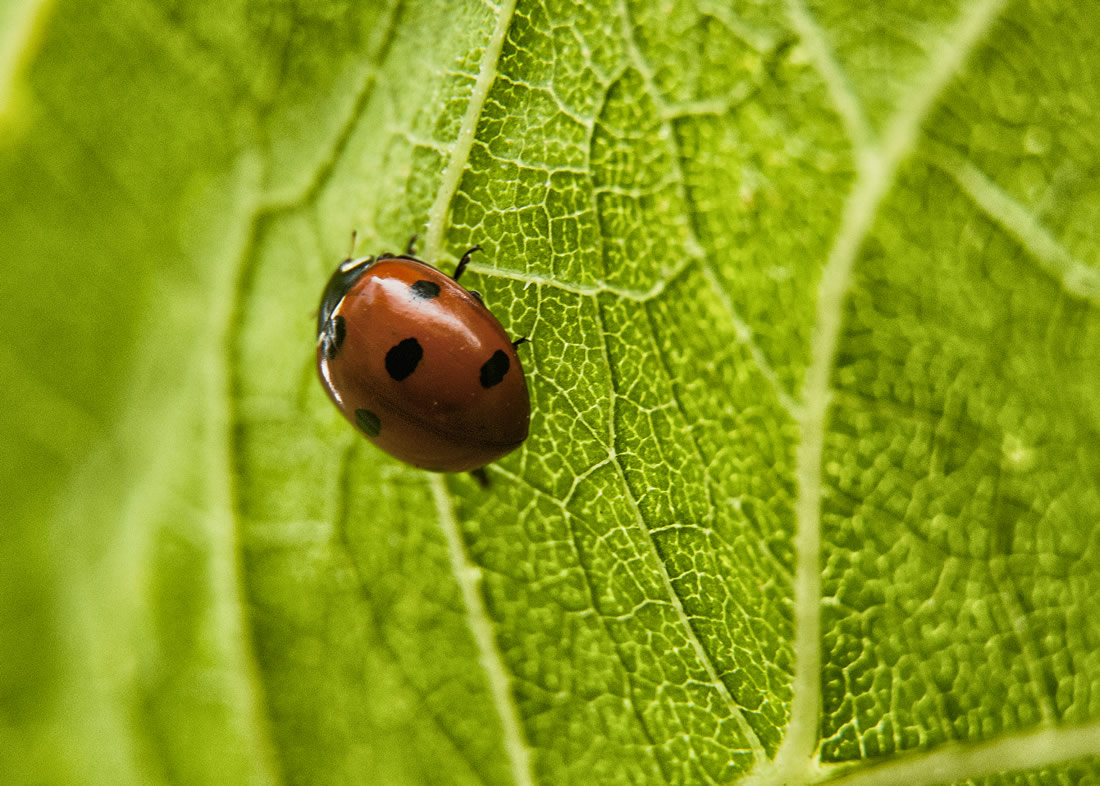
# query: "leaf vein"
845,100
371,603
468,576
877,169
1077,278
601,618
464,141
953,762
658,561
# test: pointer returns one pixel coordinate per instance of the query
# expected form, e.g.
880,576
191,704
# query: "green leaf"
812,490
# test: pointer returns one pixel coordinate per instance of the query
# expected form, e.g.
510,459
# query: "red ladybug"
418,364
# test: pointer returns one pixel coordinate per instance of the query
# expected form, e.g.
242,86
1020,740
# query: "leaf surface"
813,482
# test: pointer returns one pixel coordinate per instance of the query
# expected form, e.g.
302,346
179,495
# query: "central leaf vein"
877,170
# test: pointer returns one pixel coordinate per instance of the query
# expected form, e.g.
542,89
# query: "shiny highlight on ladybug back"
419,365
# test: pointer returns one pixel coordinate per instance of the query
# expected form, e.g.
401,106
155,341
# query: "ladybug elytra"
419,365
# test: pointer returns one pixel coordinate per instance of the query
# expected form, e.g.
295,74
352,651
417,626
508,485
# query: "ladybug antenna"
462,263
351,248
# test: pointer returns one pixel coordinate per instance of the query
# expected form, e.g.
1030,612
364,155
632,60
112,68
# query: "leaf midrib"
878,166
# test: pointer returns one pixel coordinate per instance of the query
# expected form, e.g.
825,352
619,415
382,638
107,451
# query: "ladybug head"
338,285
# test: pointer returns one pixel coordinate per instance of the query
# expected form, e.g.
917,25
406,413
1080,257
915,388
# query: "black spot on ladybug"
403,358
494,369
335,331
425,289
368,422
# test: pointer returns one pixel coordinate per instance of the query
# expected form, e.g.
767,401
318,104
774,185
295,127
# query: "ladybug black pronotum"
419,365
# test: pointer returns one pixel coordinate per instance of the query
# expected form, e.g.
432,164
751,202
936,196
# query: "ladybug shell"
420,366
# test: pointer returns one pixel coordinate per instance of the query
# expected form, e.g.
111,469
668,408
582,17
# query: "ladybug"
419,365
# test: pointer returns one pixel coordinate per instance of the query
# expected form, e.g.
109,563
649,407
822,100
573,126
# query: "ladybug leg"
462,263
410,249
477,296
481,476
519,341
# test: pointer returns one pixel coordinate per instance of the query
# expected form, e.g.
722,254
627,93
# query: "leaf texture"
812,490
